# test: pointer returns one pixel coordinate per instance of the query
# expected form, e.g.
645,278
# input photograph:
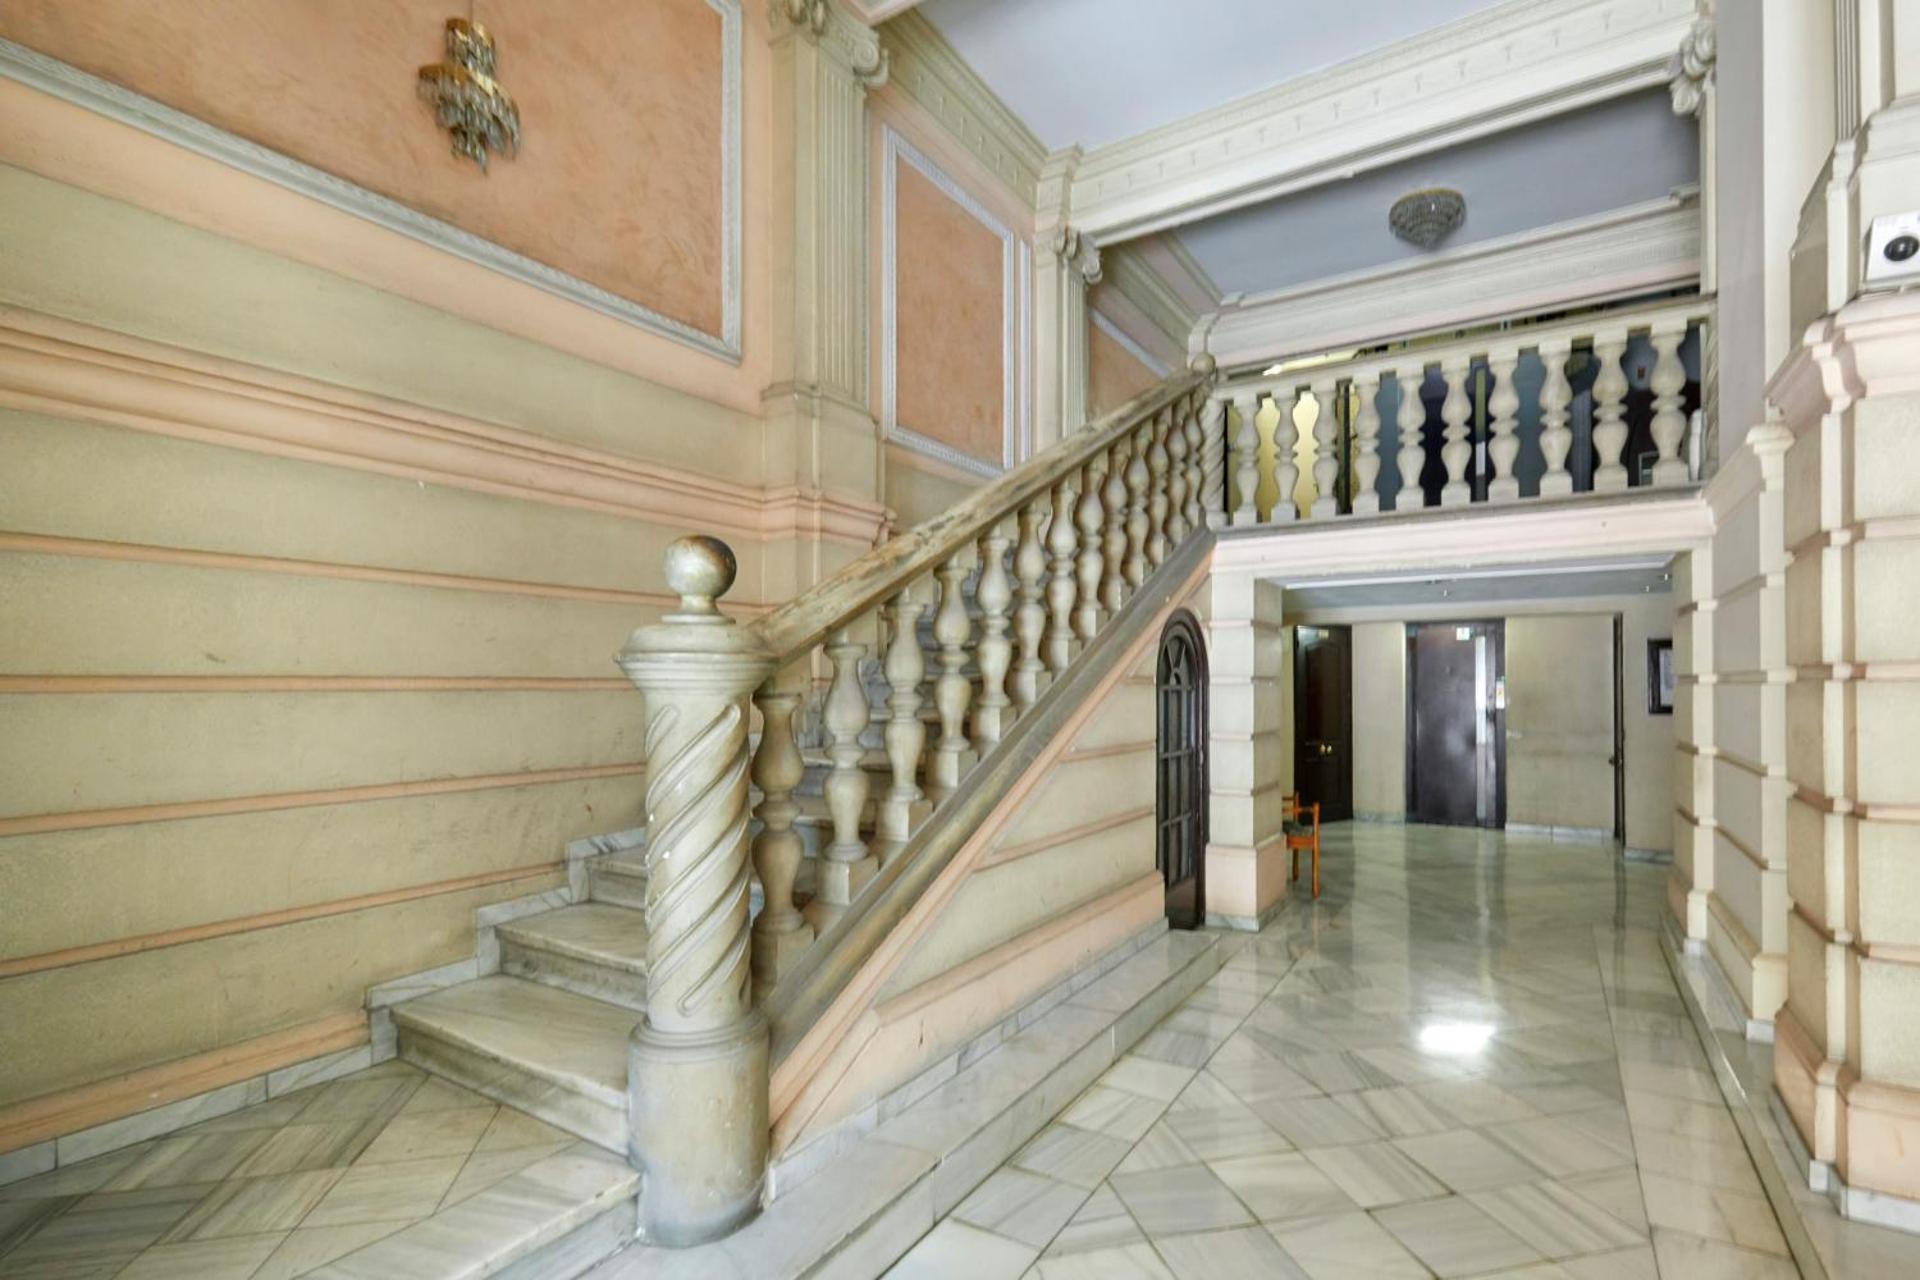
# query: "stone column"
821,438
1065,264
697,1064
1847,1042
1248,742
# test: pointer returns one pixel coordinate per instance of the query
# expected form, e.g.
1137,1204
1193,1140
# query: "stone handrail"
1482,437
1046,556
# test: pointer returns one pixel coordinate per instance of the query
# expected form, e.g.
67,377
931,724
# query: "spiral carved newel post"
697,1063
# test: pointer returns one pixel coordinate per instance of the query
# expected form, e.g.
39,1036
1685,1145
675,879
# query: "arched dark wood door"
1180,757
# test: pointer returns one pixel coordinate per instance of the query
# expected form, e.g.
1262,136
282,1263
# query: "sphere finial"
1203,364
700,570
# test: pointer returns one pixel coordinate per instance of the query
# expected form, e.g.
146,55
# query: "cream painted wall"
1560,721
1380,703
1379,722
277,725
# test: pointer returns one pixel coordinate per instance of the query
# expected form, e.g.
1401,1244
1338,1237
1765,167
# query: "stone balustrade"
1017,581
1495,418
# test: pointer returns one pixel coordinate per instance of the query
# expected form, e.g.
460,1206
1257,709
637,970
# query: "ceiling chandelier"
1428,216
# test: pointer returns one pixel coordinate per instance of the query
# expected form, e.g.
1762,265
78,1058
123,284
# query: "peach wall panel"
1114,374
619,181
950,322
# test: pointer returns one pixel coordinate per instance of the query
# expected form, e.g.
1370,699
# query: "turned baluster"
1091,520
780,932
1609,410
1669,423
1455,411
1286,464
1113,501
1366,456
1030,618
1138,526
1503,408
1411,421
1061,545
1176,480
994,593
1246,459
1213,461
1326,444
953,691
1157,463
1556,437
845,866
906,735
1196,508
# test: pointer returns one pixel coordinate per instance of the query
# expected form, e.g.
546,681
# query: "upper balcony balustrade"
1601,403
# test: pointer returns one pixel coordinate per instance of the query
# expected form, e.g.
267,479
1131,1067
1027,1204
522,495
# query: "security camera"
1893,251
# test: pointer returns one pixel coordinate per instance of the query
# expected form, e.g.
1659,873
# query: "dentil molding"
1522,61
926,69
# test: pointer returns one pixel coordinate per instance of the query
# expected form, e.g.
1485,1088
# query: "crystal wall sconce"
469,102
1425,218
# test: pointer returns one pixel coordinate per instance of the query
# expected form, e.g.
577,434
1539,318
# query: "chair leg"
1295,853
1316,863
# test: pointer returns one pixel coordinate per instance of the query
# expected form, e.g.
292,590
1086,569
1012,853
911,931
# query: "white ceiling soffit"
1573,166
1089,72
1623,253
1491,71
1507,586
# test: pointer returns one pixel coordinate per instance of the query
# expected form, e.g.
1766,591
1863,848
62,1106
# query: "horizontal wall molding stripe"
1855,672
69,956
1865,812
1110,749
57,684
187,557
70,84
62,368
71,1110
1014,852
81,820
1883,528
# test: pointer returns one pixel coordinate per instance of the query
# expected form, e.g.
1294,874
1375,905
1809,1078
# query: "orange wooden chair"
1301,823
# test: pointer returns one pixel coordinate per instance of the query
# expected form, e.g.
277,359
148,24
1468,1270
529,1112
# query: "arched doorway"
1180,776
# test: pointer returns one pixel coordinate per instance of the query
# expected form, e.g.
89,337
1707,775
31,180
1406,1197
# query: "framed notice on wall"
1660,677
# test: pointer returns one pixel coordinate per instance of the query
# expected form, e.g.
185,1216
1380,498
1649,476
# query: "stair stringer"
878,1031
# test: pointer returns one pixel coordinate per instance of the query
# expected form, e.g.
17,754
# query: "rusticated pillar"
697,1063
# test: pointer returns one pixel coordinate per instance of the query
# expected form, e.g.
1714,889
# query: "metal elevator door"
1456,763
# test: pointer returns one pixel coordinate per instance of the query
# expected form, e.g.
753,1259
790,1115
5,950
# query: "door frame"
1497,627
1184,625
1299,700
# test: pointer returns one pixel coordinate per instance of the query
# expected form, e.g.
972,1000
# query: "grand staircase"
548,1033
893,719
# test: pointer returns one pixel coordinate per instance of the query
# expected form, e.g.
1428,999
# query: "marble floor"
1468,1058
386,1174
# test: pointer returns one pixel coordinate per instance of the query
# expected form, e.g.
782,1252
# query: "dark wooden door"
1180,774
1456,753
1323,720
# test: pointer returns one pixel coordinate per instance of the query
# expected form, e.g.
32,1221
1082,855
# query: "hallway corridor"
1468,1058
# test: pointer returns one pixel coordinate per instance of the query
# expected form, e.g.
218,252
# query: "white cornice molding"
1871,346
875,12
926,69
70,84
1523,61
1637,249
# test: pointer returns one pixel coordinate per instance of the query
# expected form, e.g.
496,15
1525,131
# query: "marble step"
593,949
551,1053
619,879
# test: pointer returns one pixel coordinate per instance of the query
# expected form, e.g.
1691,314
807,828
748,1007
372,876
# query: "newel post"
697,1064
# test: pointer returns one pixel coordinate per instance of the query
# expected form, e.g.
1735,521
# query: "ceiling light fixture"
1426,217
